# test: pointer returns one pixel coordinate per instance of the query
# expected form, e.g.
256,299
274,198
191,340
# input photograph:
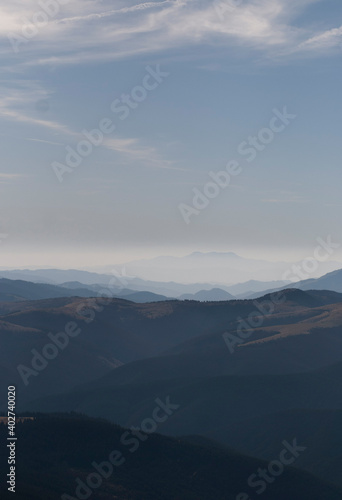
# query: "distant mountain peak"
213,254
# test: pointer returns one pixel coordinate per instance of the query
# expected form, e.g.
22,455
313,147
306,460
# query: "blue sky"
229,64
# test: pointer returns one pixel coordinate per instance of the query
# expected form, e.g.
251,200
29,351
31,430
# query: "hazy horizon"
92,260
169,127
217,268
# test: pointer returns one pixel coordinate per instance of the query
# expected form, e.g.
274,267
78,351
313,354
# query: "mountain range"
246,374
226,268
331,281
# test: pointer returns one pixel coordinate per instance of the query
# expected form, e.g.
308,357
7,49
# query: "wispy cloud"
45,142
6,178
115,12
129,147
286,199
326,40
17,102
10,176
87,30
134,150
23,118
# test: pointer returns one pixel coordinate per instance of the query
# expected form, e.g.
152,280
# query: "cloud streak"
18,101
110,13
326,40
87,31
134,150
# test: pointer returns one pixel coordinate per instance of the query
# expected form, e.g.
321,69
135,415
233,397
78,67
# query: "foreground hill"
59,452
250,414
165,339
125,355
320,430
209,406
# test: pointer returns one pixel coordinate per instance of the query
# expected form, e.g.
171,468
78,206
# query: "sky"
174,92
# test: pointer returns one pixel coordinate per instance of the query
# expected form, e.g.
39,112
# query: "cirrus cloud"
92,30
